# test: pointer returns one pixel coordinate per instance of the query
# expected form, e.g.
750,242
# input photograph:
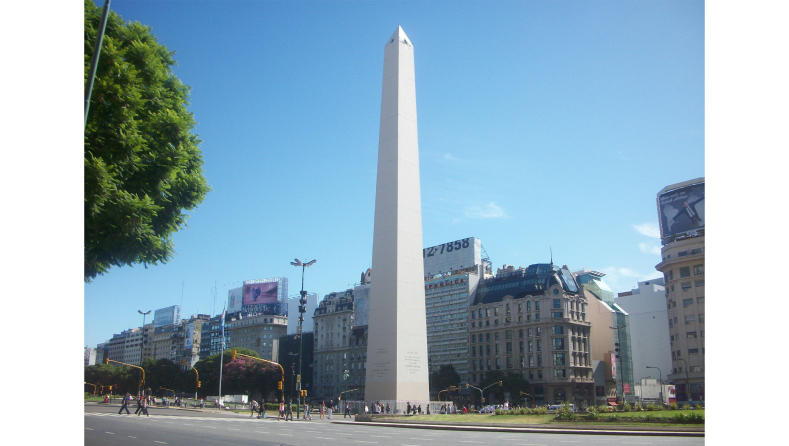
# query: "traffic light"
279,385
110,389
303,393
467,385
233,356
183,361
618,350
303,302
499,383
106,360
198,383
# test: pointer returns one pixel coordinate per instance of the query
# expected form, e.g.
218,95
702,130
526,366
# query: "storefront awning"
612,404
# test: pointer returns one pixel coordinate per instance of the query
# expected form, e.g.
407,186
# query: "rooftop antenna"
549,247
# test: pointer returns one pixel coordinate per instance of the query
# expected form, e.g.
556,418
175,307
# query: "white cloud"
625,279
449,157
649,248
648,229
490,210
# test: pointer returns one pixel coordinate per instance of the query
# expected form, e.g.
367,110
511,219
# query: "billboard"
260,293
681,209
234,300
189,338
613,365
167,316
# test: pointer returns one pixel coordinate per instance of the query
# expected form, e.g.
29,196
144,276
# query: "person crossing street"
125,404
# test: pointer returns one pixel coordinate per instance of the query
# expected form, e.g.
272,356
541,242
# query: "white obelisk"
397,334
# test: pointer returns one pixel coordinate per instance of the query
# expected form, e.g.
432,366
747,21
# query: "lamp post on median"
142,348
302,310
661,383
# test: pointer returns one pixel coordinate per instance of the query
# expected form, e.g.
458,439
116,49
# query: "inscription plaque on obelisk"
397,334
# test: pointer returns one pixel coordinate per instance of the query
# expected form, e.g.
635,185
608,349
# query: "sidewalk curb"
543,430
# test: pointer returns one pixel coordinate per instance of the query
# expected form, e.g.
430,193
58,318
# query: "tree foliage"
127,379
143,166
511,382
208,368
445,376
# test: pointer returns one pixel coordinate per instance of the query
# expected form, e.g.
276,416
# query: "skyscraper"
397,337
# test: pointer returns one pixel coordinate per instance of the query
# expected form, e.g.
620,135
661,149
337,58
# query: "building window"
557,303
698,270
488,364
487,312
474,339
528,332
539,332
487,323
695,368
520,347
539,345
693,351
497,349
536,305
508,308
508,334
520,307
473,315
509,363
480,313
699,283
691,334
509,348
474,365
557,314
487,349
487,337
528,305
684,271
701,318
496,336
558,329
558,359
531,361
539,374
498,363
686,286
520,333
687,302
690,318
670,323
539,361
531,344
496,311
523,362
558,343
559,373
537,317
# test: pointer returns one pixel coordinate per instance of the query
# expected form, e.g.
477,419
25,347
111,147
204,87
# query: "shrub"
686,407
650,407
627,407
567,416
592,414
609,418
602,409
637,407
498,411
523,411
673,406
541,410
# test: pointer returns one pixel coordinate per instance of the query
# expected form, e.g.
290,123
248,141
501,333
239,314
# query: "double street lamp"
302,310
142,347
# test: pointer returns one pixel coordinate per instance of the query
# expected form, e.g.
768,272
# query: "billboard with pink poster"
260,293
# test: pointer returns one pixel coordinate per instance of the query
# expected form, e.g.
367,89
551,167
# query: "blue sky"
542,126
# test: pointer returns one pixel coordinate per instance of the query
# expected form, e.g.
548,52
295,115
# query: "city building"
165,341
258,332
682,227
649,333
102,352
289,359
293,313
211,337
333,337
592,282
90,356
132,351
167,316
533,322
259,296
116,346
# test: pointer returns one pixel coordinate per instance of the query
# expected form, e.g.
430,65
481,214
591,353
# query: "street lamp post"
618,349
302,310
688,398
142,348
661,382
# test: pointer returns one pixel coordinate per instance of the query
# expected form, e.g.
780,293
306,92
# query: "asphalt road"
104,427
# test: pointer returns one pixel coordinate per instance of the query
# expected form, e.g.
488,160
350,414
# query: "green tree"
208,368
143,166
510,382
445,376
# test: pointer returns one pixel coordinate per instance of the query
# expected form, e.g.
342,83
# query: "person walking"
331,406
388,408
347,410
322,409
419,409
289,411
143,408
307,412
139,405
281,410
253,408
125,404
408,408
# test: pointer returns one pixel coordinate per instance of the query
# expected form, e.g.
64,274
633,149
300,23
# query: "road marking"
325,438
131,436
469,441
88,428
231,429
159,441
262,432
289,435
362,441
379,436
109,433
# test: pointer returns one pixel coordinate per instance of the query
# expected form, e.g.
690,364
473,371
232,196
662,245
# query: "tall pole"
687,382
302,310
222,354
95,60
142,348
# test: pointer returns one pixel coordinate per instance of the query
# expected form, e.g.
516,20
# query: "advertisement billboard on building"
260,293
189,338
234,298
167,316
613,365
681,209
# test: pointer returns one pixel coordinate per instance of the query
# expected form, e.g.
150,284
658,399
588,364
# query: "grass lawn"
659,413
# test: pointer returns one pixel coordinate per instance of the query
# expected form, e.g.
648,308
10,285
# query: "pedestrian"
331,406
322,409
366,410
419,409
139,405
408,408
143,408
388,409
347,410
201,402
428,409
307,412
281,410
125,404
253,408
289,411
